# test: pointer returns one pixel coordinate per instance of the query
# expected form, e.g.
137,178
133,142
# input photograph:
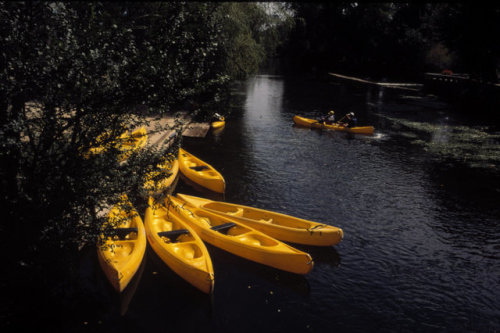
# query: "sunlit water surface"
419,206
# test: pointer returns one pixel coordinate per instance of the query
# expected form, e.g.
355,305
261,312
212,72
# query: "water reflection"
231,269
127,294
322,255
200,190
216,133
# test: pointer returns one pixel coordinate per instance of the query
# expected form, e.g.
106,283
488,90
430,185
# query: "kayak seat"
174,234
123,232
223,228
238,212
199,168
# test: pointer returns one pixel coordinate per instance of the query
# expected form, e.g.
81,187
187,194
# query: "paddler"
329,118
351,120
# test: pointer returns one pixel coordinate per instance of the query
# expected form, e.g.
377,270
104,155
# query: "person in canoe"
329,118
351,120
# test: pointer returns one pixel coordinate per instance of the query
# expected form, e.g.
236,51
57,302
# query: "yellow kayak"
201,172
236,238
170,169
219,124
121,254
127,143
132,142
179,247
280,226
301,121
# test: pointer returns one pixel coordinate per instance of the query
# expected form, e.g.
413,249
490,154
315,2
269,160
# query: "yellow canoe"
121,255
218,124
236,238
201,172
179,247
170,170
127,143
280,226
301,121
132,142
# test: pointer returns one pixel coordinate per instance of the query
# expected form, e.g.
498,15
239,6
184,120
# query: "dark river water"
419,203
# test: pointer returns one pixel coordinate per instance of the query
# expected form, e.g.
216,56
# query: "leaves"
72,71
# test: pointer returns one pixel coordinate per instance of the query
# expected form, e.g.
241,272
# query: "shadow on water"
200,190
129,292
230,268
331,133
101,307
168,277
326,255
167,300
216,133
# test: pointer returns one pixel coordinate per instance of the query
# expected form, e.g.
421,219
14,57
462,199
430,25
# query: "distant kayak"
280,226
301,121
201,172
218,124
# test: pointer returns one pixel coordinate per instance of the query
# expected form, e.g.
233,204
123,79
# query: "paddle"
338,121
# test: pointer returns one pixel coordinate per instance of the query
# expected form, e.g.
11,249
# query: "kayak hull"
132,142
185,254
201,172
306,122
241,240
171,168
218,124
121,258
280,226
126,143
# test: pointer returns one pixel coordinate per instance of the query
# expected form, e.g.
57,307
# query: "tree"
395,39
471,32
251,33
70,72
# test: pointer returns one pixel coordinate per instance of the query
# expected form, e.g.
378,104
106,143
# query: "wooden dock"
162,129
454,85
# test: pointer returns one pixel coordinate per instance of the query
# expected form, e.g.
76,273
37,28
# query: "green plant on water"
474,146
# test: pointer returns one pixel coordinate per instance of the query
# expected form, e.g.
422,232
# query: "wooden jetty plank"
197,130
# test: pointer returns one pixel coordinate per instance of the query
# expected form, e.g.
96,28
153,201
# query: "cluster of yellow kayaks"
177,228
127,143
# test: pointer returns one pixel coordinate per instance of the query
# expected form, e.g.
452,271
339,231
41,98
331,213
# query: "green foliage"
71,71
395,39
252,32
476,147
471,33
